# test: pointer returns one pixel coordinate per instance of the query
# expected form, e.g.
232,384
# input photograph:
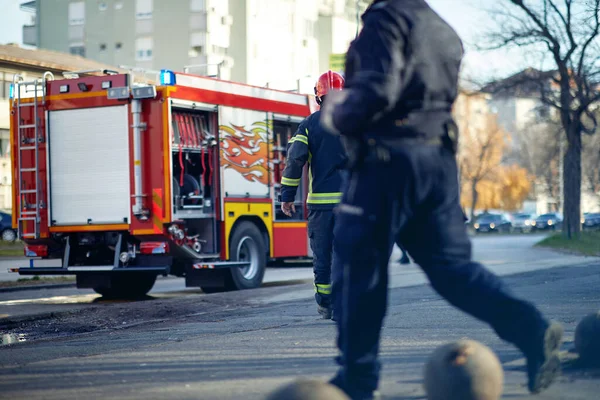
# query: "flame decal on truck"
246,151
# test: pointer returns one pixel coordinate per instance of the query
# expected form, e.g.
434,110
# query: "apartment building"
283,44
150,34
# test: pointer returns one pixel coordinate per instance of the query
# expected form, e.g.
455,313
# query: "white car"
523,222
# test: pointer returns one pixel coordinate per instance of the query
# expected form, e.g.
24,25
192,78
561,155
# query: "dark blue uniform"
325,156
394,115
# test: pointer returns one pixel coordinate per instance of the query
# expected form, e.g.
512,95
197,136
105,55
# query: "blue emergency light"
167,77
11,91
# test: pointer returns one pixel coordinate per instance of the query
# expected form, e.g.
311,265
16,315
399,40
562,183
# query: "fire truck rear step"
208,274
159,270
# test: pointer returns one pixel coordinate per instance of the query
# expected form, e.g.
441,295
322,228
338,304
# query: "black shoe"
324,311
353,393
543,364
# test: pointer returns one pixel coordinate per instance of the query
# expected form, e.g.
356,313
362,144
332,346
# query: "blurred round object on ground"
463,370
308,390
587,338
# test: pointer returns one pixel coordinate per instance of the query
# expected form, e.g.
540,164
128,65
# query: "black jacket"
401,72
325,156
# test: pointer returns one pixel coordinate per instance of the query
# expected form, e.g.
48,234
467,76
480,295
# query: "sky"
467,17
12,20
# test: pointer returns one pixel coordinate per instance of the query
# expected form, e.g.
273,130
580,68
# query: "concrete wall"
238,48
53,20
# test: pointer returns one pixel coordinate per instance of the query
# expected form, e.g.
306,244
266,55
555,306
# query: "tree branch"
568,28
555,48
591,38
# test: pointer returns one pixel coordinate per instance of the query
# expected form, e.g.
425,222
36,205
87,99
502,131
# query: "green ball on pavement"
463,370
587,339
308,390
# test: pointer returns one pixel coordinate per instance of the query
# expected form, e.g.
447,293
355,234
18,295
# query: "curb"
37,287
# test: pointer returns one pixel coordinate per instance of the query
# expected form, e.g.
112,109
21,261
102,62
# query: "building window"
198,22
77,50
4,145
218,50
118,46
102,6
5,89
102,46
197,5
143,49
118,5
196,51
77,13
143,9
197,39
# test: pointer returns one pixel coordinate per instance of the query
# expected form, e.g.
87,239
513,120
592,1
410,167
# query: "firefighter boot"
324,305
352,392
543,363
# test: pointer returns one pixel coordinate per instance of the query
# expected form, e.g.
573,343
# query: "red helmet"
328,81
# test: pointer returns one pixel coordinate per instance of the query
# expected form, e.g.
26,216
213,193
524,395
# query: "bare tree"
567,31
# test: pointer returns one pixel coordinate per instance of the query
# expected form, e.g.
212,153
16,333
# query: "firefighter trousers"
414,198
320,233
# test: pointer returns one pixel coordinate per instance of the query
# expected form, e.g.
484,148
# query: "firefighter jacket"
401,74
325,156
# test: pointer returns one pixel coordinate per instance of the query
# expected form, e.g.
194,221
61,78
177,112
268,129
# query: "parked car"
523,222
7,233
550,221
492,223
591,221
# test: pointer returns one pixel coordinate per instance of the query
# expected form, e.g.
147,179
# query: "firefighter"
394,116
325,156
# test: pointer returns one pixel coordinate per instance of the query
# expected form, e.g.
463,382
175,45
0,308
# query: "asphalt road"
242,345
493,249
503,254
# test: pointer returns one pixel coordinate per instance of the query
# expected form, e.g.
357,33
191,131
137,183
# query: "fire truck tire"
247,244
127,286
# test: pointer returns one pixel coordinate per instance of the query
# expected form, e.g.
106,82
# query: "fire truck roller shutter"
89,166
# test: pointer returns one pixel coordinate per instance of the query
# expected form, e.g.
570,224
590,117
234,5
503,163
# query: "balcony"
29,6
30,35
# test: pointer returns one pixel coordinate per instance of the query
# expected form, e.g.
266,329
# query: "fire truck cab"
120,181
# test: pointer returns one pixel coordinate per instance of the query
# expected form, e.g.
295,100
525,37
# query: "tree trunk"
572,186
473,201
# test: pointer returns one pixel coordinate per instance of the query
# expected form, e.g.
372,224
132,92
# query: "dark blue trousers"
413,197
320,233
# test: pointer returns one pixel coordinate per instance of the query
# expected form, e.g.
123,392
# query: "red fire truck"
123,181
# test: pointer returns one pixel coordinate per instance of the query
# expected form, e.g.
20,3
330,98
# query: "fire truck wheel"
247,244
127,286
